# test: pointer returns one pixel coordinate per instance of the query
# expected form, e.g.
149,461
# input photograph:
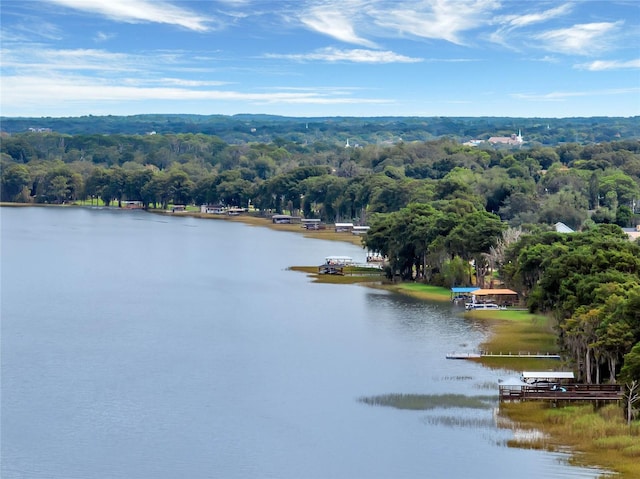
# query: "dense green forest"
239,129
439,210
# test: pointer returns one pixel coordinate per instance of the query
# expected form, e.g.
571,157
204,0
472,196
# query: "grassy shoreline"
598,438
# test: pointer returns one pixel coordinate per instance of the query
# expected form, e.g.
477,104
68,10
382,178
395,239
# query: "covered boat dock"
501,297
555,386
462,293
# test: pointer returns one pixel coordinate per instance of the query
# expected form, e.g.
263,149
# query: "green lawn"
423,291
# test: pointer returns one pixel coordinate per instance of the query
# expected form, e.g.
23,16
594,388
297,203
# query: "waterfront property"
501,297
462,293
360,230
483,306
213,209
569,392
132,205
236,211
285,219
486,354
306,222
344,227
335,264
313,224
537,377
556,386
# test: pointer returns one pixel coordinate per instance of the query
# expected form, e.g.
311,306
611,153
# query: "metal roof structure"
493,292
562,228
469,289
549,375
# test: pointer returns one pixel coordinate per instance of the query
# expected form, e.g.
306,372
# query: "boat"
482,306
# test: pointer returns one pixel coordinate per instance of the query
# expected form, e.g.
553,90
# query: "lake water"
137,345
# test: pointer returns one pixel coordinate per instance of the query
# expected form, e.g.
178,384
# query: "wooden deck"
568,392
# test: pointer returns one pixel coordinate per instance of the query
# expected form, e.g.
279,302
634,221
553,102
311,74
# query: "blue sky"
531,58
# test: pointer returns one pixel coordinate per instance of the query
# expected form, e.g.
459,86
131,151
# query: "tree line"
440,211
246,128
590,280
570,183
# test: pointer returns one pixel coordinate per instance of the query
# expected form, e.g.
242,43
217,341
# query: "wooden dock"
568,392
502,355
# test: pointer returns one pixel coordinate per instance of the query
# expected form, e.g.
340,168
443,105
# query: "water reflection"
459,421
423,402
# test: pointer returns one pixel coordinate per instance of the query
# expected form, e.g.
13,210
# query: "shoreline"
519,328
503,330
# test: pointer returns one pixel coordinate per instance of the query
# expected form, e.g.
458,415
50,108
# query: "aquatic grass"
616,442
520,364
423,402
489,385
453,378
632,451
601,435
515,331
561,415
456,421
353,278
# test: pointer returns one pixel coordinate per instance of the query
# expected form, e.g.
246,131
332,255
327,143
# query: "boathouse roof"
468,289
549,375
493,292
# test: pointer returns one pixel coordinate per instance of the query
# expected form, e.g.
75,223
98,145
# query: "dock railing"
564,392
488,354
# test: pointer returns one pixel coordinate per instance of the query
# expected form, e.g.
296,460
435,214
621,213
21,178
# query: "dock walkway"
502,355
569,392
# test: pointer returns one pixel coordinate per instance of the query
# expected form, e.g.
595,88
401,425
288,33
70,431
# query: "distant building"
213,209
132,205
513,140
562,228
344,227
632,233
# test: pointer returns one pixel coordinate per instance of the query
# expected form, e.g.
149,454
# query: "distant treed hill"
247,128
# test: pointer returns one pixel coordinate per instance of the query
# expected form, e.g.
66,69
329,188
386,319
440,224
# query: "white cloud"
564,95
583,39
103,37
335,20
355,56
437,19
139,11
509,24
538,17
29,29
57,92
355,21
49,61
179,82
600,65
37,60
